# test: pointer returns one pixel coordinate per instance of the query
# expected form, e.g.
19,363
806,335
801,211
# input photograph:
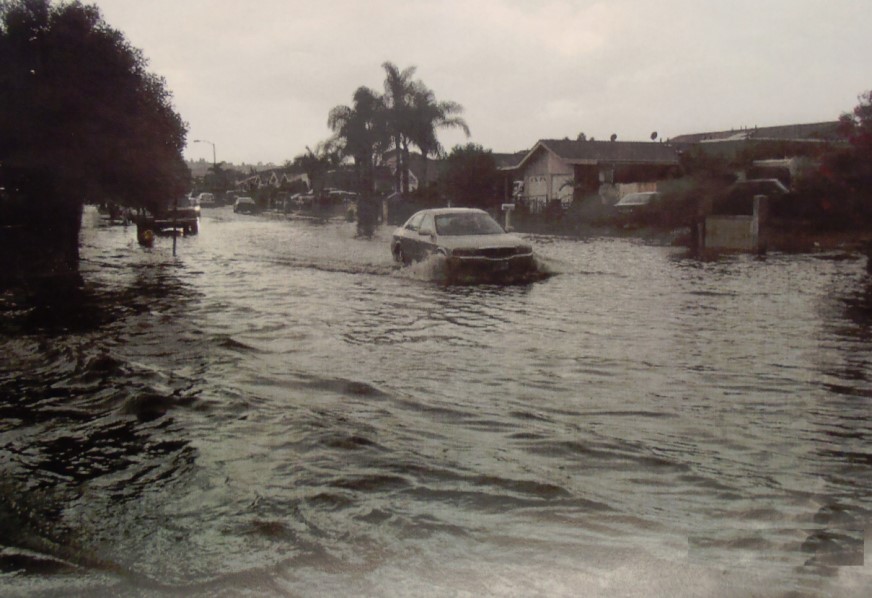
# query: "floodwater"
281,411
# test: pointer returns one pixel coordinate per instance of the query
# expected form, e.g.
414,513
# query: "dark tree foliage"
853,166
217,180
839,192
316,163
472,178
857,125
81,120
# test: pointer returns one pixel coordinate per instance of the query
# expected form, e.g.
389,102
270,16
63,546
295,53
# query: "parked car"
244,205
473,244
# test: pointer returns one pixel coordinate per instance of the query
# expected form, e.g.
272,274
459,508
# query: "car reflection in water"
475,247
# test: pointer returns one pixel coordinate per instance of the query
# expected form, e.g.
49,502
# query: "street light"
220,182
214,162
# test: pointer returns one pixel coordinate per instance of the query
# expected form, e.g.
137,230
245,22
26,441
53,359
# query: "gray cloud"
258,78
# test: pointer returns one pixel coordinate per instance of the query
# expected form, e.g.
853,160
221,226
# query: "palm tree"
399,90
363,130
428,116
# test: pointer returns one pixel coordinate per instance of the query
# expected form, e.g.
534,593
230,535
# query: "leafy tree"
839,192
853,165
472,178
315,163
857,125
81,120
219,181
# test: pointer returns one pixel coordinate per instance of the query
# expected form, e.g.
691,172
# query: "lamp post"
217,184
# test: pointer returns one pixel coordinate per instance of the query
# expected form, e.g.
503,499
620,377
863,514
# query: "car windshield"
467,223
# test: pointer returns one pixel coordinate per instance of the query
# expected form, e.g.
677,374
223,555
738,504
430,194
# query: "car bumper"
476,267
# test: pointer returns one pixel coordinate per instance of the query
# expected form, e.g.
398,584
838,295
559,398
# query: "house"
564,170
780,152
276,178
779,142
508,164
249,183
811,132
420,168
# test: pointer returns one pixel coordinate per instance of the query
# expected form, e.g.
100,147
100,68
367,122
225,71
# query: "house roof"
509,161
606,152
435,166
821,131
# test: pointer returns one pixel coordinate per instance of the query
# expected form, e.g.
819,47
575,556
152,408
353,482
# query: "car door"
409,238
426,238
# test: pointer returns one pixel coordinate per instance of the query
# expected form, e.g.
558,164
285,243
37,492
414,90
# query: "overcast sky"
258,77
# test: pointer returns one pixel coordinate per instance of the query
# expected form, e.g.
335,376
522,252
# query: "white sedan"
472,243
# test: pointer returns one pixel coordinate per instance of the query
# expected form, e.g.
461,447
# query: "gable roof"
436,167
509,161
606,152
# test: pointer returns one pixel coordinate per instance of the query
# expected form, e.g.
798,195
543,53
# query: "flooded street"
281,410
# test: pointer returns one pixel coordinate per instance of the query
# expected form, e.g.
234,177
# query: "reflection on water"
282,410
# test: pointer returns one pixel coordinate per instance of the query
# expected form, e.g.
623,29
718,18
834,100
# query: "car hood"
478,241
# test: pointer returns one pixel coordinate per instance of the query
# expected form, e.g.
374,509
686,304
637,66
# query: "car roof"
444,211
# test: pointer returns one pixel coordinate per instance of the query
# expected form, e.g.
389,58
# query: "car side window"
415,222
427,223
